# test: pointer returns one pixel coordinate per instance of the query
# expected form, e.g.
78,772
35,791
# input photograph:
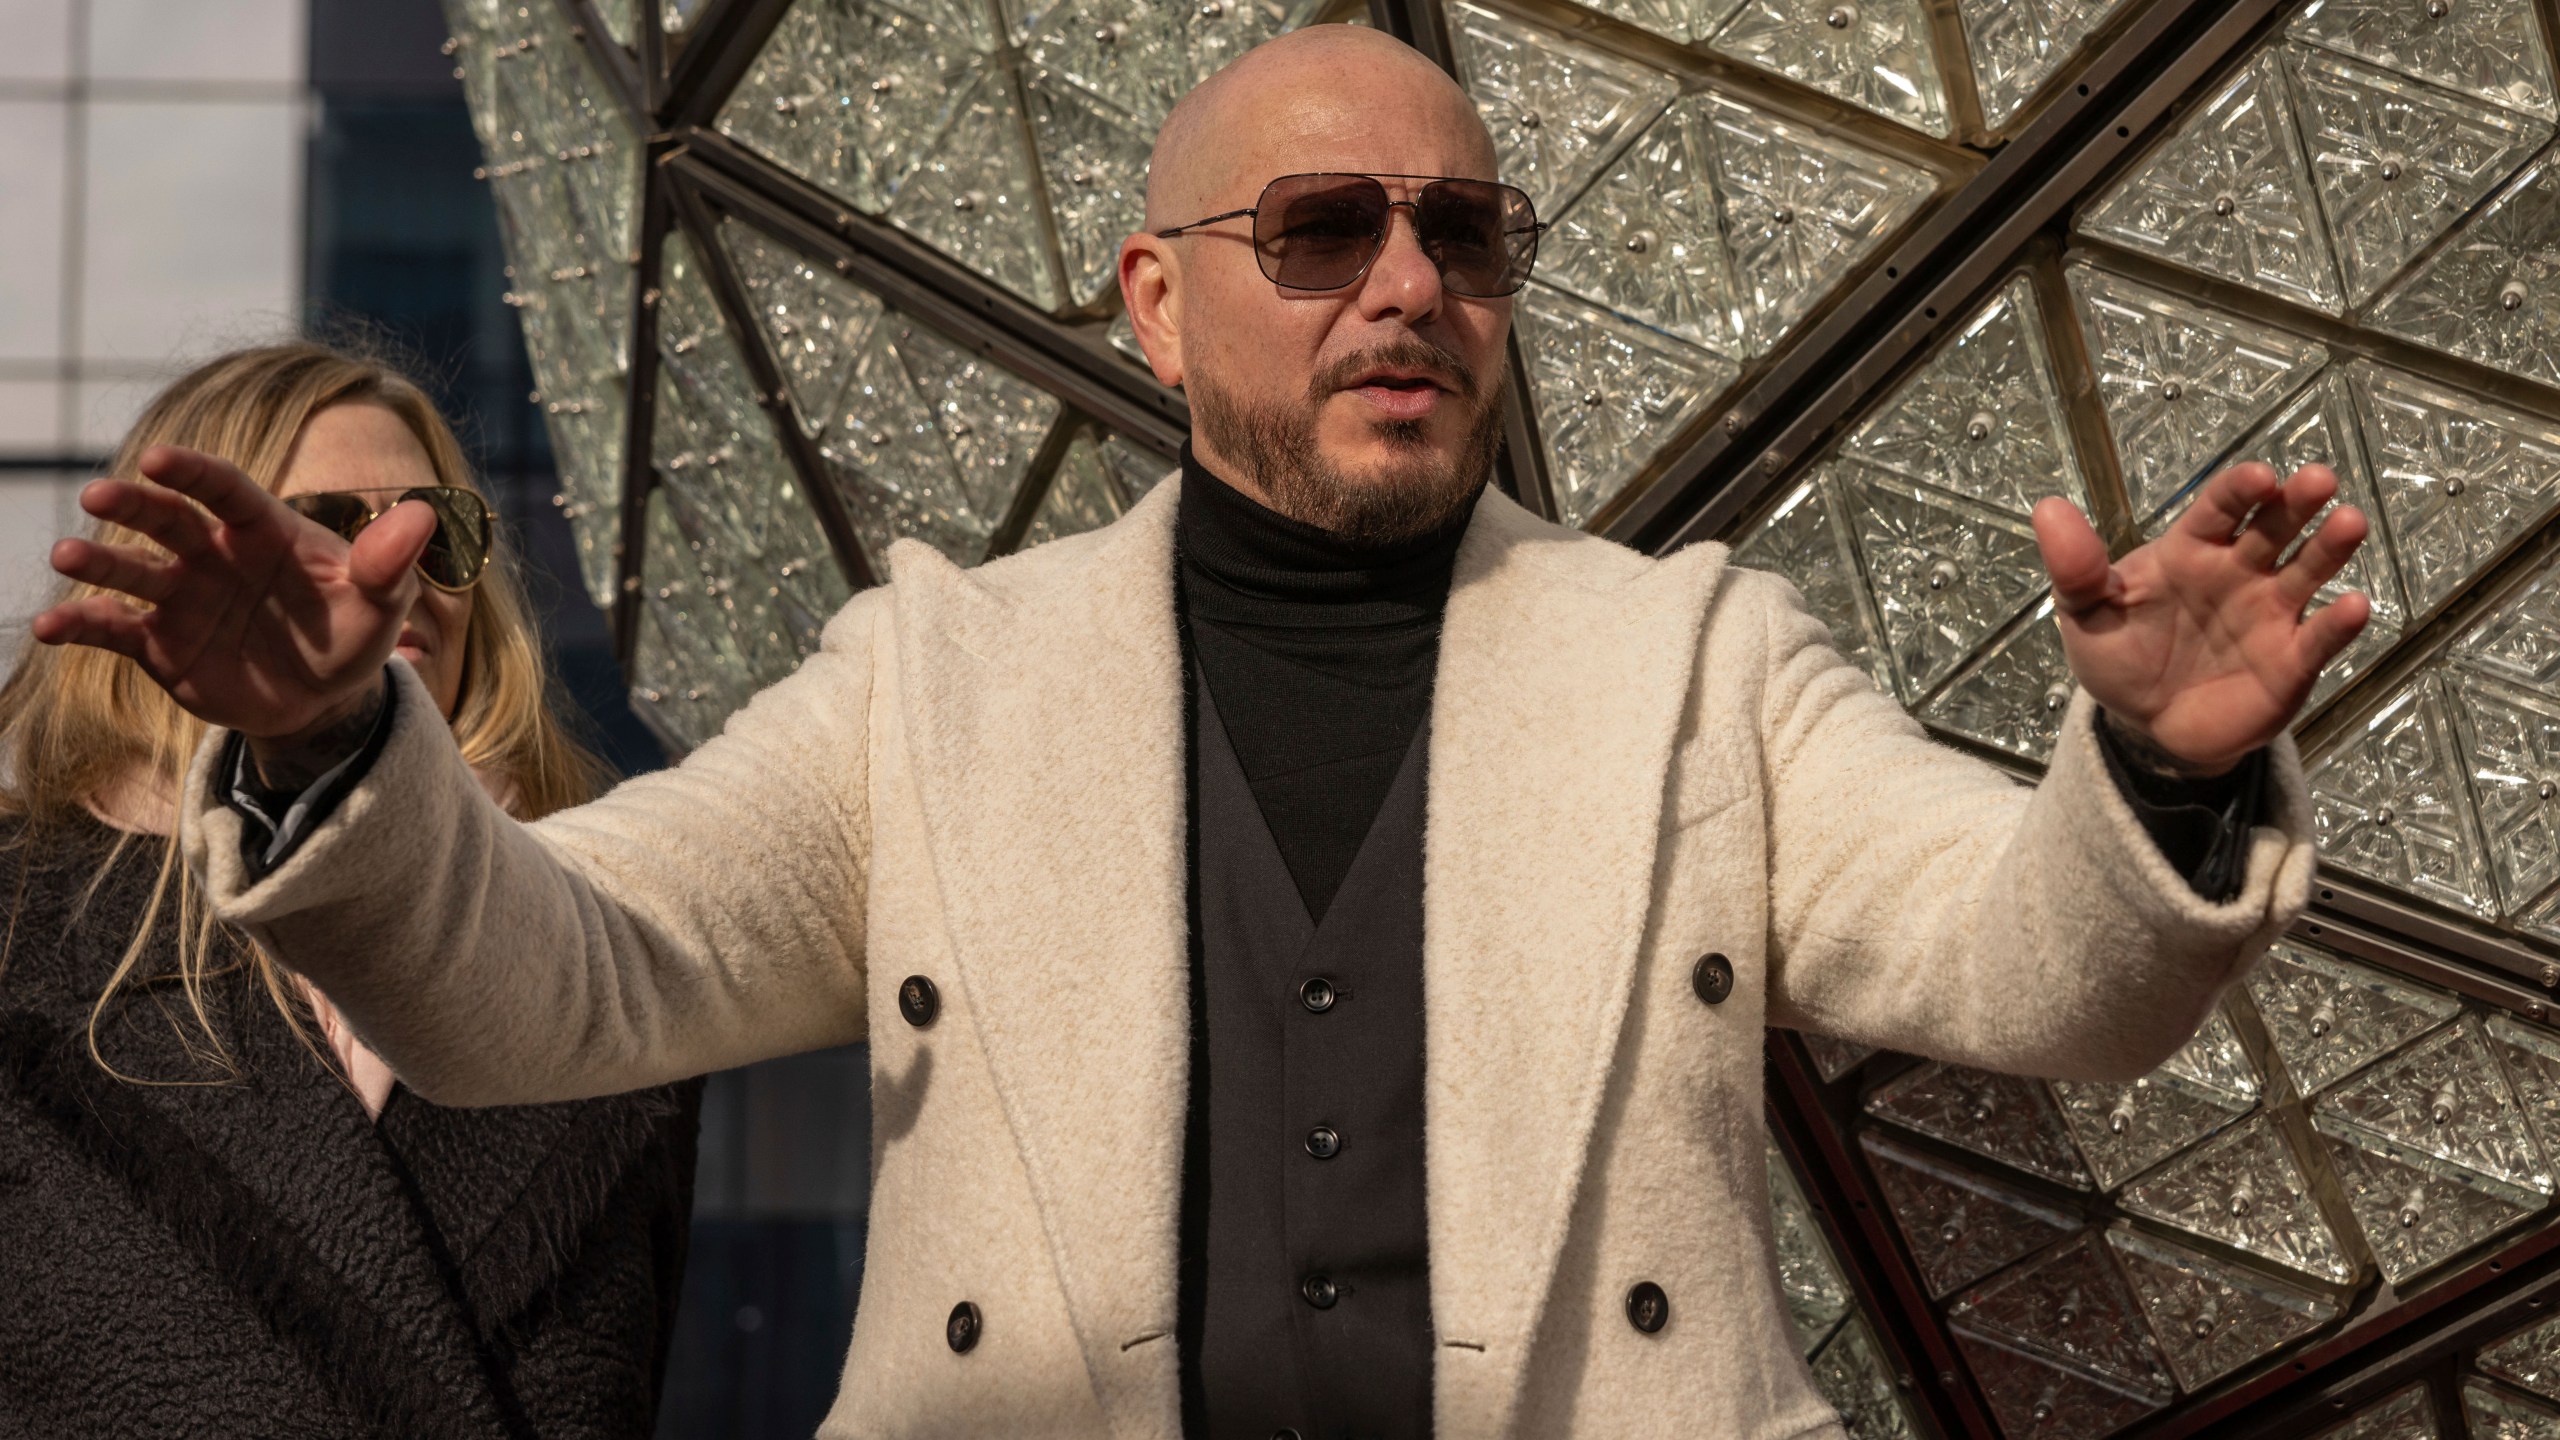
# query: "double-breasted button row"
918,1001
963,1328
1712,977
1648,1309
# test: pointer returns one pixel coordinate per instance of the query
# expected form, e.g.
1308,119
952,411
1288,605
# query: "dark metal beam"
707,63
639,420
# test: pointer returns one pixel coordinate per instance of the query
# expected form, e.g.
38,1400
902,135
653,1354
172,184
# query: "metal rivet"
884,85
2390,170
1782,216
1978,428
2438,9
2225,206
2172,390
2385,816
2511,295
1943,574
1841,17
1640,242
2550,976
1528,119
1592,398
966,201
2057,697
2546,790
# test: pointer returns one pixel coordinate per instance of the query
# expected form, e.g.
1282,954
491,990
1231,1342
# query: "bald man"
1315,934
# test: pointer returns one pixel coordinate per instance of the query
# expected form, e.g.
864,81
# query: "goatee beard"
1415,492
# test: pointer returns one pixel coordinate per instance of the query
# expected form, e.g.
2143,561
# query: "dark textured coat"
256,1258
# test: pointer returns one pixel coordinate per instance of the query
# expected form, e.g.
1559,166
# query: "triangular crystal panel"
849,95
1648,241
1558,108
1806,540
2009,1119
2417,1212
2014,698
2072,1306
2180,382
1086,493
2459,476
2227,194
815,322
2213,1317
2397,162
1816,1294
2529,1359
2390,804
1875,54
2126,1129
2444,1097
1141,56
1946,574
2511,752
2016,48
1853,1377
2487,293
974,197
1610,395
1094,157
1959,1226
2531,1055
1801,209
990,421
2245,1189
2405,1414
2328,1016
2519,641
2496,1414
2032,1395
1834,1057
2491,49
1983,417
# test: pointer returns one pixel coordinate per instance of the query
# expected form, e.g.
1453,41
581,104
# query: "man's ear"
1151,286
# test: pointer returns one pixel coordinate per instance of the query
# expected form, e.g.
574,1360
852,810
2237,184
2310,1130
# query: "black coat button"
1713,977
963,1328
1317,994
918,1001
1648,1309
1284,1433
1319,1292
1324,1142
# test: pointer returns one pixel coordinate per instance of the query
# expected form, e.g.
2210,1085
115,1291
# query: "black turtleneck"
1320,655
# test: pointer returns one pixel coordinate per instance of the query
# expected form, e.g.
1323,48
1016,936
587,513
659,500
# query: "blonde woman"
220,1214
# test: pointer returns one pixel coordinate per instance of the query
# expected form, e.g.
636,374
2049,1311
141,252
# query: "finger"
2264,540
2225,502
217,485
165,515
2331,629
2324,554
126,568
101,621
386,550
2073,555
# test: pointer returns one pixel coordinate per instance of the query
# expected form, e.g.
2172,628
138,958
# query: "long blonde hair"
78,723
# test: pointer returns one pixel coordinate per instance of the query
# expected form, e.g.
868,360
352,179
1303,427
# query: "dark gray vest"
1317,1304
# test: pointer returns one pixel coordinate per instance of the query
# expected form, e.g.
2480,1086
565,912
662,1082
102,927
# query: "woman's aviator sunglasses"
1323,231
454,558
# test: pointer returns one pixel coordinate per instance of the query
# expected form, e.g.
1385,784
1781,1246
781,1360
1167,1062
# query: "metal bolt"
2454,486
2386,816
2439,9
884,85
2390,170
1528,119
1782,216
2057,696
2550,976
2225,206
1943,574
2511,295
1841,17
2546,790
1211,9
966,202
1592,398
1639,242
2172,390
844,265
1978,428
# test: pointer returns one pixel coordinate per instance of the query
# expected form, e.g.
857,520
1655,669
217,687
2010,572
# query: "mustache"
1411,353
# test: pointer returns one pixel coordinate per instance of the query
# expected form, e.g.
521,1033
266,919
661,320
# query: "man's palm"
257,619
2199,639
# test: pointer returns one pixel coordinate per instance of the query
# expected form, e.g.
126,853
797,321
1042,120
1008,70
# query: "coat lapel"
1564,670
1043,712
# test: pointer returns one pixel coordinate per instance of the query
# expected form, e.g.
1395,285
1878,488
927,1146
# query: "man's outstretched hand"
255,618
2198,641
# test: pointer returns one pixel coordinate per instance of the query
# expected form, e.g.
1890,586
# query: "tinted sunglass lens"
460,546
340,514
1318,232
1482,235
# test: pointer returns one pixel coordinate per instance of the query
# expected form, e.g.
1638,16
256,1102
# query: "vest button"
1648,1309
1324,1142
963,1328
1319,1291
1317,994
918,1001
1713,977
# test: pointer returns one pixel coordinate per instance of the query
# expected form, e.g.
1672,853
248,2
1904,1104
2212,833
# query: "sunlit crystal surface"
1853,1377
1558,108
2459,476
2015,698
2073,1306
1833,1058
2511,749
1805,540
2444,1097
1875,54
2033,1396
849,95
2227,194
2126,1129
2488,48
1816,1294
2495,1414
2389,803
2405,1414
2016,48
1095,485
1801,209
2487,293
2328,1016
1983,417
2531,1055
2212,1317
1095,159
1648,240
972,198
2529,1359
2002,1116
2519,641
687,671
2417,1212
2397,162
2180,382
815,323
2245,1189
1609,394
1946,574
1959,1226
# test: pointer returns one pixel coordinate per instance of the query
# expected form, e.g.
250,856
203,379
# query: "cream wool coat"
979,779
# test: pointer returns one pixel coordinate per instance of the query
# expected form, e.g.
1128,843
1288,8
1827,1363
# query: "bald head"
1290,95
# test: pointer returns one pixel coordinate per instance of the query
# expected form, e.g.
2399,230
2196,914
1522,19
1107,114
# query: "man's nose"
1402,281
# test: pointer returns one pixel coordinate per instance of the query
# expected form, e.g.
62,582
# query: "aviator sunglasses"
1323,231
454,557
